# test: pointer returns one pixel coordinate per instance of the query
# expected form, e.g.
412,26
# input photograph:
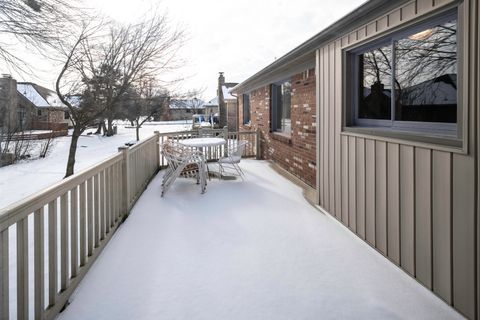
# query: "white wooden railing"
59,232
52,238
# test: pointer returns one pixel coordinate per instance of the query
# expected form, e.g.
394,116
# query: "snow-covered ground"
243,250
27,177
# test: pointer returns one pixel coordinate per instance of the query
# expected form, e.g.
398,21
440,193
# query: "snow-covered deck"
243,250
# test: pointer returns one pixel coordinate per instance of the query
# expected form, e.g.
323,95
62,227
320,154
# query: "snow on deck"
243,250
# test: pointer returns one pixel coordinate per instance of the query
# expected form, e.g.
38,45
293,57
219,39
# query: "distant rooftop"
187,104
39,96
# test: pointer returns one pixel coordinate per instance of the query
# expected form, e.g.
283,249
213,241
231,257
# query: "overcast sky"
236,37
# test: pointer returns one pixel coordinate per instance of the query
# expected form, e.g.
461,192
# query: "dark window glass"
246,108
39,112
421,67
67,115
426,75
286,122
281,107
375,72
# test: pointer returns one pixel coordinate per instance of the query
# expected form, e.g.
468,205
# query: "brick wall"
296,153
231,114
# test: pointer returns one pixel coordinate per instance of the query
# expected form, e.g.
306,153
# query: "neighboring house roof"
39,96
438,91
226,93
212,103
187,104
303,56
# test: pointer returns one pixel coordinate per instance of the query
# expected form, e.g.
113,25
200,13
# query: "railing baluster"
74,231
96,210
90,216
121,193
4,274
102,205
64,242
83,224
52,252
115,192
110,191
39,252
22,269
107,200
114,195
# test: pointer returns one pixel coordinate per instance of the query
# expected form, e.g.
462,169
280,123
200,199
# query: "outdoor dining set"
186,158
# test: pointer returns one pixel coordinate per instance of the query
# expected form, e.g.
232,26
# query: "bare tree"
39,23
145,49
103,67
148,102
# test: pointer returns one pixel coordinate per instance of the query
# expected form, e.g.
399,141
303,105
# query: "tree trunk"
110,127
71,154
137,129
104,127
99,127
131,123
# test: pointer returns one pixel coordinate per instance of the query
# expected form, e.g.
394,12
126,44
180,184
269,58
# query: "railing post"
125,180
157,147
258,150
225,136
4,275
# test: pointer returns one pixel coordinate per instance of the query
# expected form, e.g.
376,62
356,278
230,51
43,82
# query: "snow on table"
243,250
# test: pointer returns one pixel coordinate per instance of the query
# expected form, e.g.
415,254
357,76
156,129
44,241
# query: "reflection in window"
375,83
281,107
246,108
426,75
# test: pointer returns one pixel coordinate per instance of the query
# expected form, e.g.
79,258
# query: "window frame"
276,127
446,130
246,107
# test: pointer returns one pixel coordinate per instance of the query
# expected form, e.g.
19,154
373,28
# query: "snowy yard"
27,177
243,250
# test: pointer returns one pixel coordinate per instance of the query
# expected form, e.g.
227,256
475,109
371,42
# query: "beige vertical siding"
416,203
380,196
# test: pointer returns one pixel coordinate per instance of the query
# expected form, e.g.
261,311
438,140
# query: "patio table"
202,143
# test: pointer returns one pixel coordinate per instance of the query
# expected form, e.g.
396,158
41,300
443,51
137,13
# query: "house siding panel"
415,203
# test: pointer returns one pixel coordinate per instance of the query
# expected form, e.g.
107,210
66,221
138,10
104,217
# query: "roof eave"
341,26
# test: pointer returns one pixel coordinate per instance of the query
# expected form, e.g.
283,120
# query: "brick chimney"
222,108
8,101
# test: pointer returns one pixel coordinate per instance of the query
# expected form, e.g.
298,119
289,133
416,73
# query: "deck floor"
243,250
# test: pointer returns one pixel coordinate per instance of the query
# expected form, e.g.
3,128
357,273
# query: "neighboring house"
44,103
184,109
211,107
227,104
27,105
399,167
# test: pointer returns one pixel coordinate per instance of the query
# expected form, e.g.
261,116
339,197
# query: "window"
66,115
21,118
281,106
409,80
246,109
39,112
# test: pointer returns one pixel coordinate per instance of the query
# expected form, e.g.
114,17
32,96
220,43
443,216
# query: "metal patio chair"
183,162
231,163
